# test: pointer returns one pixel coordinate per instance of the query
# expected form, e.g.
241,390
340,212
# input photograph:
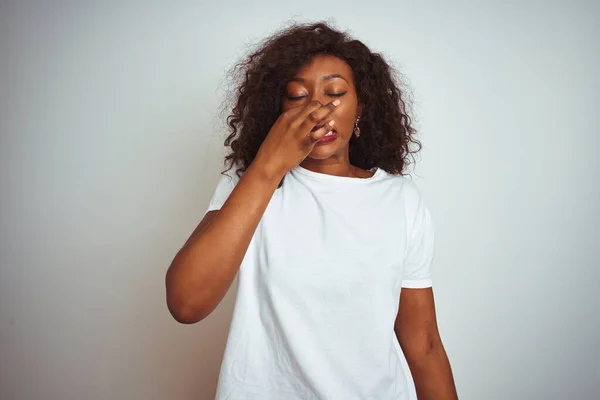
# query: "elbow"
424,349
185,313
185,318
182,307
182,314
420,345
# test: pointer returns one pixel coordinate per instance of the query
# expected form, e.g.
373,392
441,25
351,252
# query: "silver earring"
356,128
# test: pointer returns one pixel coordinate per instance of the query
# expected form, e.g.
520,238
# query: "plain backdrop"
111,146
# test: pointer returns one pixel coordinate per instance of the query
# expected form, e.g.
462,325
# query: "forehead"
321,65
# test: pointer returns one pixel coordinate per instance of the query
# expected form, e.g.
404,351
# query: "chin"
321,153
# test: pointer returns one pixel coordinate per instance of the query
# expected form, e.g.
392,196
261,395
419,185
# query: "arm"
205,267
417,332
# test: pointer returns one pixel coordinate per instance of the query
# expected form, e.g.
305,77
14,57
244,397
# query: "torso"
318,293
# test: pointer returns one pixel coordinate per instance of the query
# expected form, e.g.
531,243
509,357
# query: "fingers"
299,114
318,134
314,116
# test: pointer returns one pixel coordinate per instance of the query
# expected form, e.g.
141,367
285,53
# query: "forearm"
432,374
205,267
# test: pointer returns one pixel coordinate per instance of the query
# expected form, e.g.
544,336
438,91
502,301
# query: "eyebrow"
325,78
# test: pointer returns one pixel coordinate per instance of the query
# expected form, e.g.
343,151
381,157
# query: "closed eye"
295,98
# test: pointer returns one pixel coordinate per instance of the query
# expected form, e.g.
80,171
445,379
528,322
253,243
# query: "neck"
330,166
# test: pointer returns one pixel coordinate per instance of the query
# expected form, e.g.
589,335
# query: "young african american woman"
332,242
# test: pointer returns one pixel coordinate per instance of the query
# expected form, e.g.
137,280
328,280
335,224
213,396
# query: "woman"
324,229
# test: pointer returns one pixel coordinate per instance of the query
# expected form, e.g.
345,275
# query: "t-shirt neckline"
334,178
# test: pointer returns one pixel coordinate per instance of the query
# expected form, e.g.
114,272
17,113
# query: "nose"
320,97
315,92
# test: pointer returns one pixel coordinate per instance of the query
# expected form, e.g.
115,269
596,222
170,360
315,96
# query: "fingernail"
331,123
336,102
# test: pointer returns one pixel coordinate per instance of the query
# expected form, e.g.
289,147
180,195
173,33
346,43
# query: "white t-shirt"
319,287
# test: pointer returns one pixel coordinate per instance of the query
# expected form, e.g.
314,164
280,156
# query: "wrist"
266,172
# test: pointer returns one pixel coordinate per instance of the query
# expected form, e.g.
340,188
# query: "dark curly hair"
388,140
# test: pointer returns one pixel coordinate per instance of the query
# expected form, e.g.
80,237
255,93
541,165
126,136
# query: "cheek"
344,118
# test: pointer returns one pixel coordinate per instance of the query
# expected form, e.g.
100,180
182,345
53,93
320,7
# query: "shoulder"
404,184
406,196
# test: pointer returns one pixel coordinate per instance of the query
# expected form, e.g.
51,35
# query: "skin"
325,79
321,98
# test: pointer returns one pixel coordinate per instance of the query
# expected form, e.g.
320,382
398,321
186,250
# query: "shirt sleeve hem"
213,207
417,284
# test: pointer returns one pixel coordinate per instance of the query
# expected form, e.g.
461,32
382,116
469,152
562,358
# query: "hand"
293,136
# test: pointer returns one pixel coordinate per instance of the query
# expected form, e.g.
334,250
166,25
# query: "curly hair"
388,141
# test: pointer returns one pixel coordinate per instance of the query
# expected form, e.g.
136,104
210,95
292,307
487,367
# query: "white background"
111,146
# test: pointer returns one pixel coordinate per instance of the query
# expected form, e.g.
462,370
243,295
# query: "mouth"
328,138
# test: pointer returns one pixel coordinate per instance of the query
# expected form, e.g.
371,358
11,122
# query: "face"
326,79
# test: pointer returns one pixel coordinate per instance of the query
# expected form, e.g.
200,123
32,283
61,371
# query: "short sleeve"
417,265
224,188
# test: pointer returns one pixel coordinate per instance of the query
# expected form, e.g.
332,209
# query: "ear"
359,110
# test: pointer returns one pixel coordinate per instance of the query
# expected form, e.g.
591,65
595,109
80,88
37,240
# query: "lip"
328,139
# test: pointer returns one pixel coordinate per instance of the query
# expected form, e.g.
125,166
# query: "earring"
356,128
